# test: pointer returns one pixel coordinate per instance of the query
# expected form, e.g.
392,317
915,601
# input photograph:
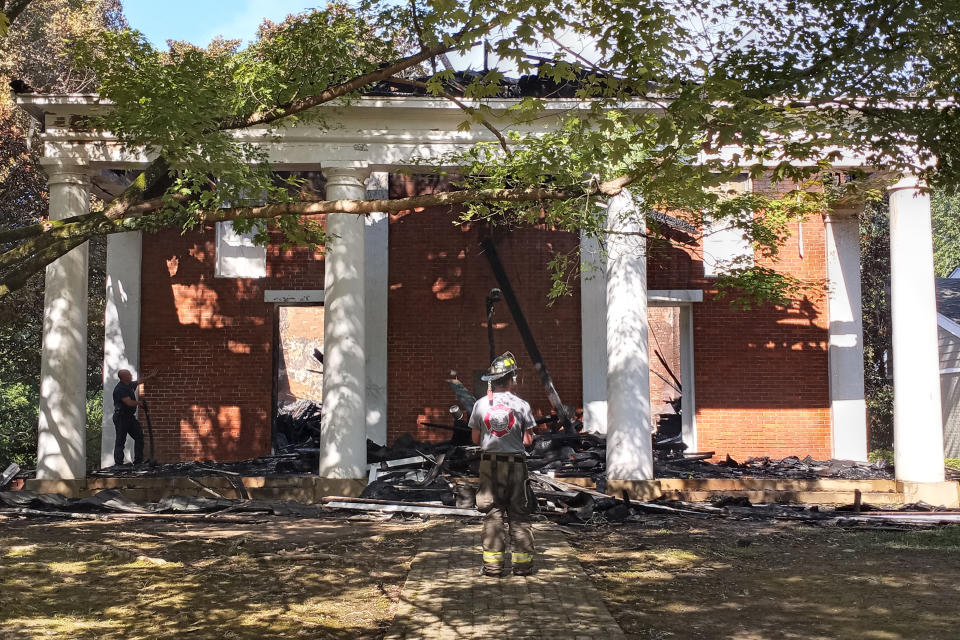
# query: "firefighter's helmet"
501,367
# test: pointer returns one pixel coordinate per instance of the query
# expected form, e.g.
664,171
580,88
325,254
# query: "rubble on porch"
418,479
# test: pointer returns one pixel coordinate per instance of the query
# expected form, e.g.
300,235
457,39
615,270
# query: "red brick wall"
439,281
212,341
761,375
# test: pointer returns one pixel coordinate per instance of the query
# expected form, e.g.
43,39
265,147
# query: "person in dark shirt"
125,404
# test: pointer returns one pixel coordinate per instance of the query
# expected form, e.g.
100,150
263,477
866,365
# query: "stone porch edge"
310,489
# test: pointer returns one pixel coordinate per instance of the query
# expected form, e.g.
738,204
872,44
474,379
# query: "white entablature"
379,132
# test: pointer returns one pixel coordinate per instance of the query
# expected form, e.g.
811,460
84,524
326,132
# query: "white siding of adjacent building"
950,390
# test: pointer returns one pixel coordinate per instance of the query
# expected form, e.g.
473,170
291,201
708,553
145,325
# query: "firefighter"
502,424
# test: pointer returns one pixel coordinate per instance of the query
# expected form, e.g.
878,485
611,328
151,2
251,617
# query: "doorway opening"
297,375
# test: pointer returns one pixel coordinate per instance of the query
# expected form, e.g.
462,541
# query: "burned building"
372,328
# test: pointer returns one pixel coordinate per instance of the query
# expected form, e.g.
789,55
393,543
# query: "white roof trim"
947,324
62,101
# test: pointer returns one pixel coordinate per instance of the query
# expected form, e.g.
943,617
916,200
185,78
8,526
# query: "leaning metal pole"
526,335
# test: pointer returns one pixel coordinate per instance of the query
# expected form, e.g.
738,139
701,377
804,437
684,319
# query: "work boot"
491,572
525,569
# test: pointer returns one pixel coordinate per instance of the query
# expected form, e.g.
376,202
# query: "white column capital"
907,182
66,171
843,213
347,174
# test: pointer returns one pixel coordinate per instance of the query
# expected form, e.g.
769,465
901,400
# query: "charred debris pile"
789,468
564,468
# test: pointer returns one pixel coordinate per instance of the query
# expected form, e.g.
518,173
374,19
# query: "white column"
61,432
593,334
629,448
343,437
376,272
121,323
917,421
848,408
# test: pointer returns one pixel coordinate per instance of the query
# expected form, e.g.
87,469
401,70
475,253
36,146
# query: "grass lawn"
673,577
151,579
681,579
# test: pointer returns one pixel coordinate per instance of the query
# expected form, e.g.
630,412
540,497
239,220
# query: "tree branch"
851,44
153,179
27,268
338,91
467,109
51,226
14,10
61,238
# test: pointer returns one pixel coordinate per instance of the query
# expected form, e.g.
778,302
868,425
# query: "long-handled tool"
146,412
493,297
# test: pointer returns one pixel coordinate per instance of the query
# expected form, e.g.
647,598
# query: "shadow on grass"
112,585
745,581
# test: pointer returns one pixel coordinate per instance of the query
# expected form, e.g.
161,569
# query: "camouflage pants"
505,492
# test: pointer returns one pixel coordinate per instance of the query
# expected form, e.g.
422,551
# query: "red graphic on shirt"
499,420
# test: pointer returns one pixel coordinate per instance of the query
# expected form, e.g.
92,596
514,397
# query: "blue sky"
198,21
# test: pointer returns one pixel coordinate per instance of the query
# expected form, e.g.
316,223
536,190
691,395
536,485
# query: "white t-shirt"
502,422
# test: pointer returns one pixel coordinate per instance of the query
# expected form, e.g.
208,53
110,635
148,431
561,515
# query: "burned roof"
948,298
528,86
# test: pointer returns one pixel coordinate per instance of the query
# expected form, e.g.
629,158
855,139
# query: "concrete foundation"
305,489
938,494
312,489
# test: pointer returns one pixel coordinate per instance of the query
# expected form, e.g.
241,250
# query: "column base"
938,494
347,487
68,488
642,490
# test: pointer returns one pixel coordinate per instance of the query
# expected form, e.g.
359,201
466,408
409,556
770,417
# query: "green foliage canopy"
776,88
